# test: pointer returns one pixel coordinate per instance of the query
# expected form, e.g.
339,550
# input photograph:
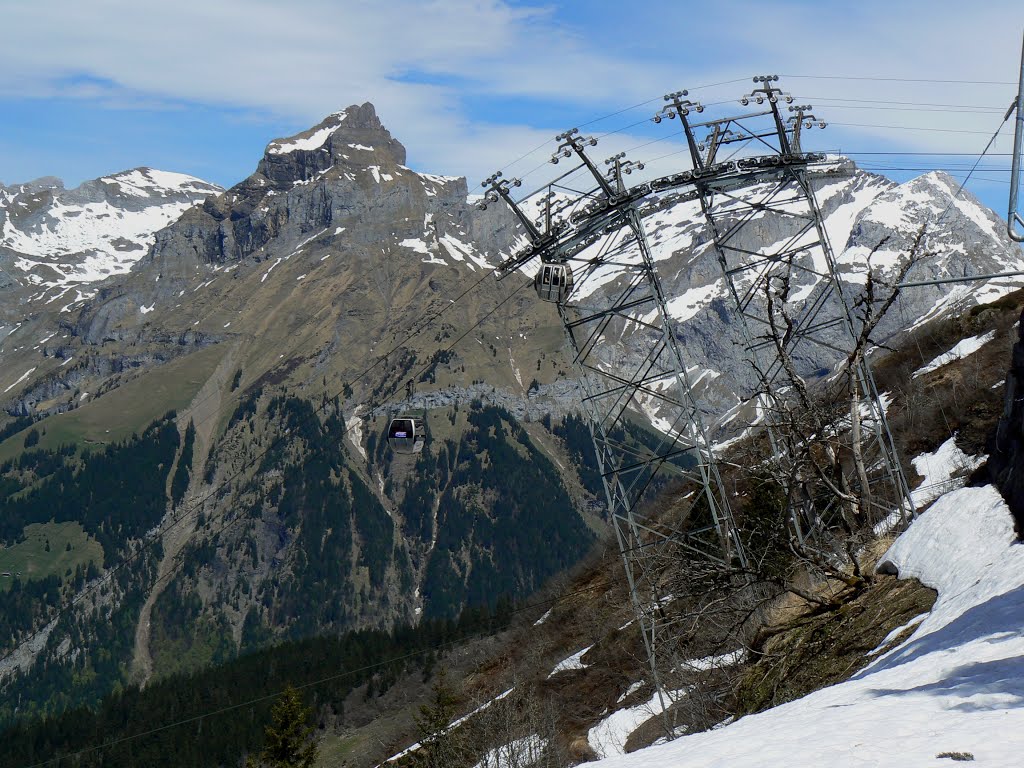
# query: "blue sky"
93,88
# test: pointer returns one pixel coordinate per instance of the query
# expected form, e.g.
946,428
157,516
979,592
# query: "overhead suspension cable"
901,79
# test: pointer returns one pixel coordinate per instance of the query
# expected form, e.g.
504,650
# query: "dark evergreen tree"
289,740
441,746
183,473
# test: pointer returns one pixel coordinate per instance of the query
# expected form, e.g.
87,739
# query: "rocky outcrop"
60,391
557,399
1006,449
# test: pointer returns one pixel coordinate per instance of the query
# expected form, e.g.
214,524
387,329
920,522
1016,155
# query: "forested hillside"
298,547
241,692
116,495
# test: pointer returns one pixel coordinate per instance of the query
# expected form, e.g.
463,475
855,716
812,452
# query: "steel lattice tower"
597,227
779,317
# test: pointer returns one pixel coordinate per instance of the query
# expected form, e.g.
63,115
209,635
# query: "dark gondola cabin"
553,282
407,434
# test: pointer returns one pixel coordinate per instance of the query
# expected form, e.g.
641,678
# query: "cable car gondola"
553,282
407,432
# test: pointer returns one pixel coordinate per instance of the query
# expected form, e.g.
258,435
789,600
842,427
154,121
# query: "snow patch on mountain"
570,663
20,379
315,140
462,251
689,303
67,238
151,182
962,349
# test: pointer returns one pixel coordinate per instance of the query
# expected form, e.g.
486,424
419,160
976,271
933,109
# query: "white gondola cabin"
553,282
407,433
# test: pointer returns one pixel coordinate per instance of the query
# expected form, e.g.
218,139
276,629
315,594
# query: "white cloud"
469,86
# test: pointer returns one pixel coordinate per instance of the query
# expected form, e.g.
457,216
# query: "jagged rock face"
57,247
340,171
1006,449
307,154
347,175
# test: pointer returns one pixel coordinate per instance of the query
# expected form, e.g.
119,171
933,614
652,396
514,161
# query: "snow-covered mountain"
56,242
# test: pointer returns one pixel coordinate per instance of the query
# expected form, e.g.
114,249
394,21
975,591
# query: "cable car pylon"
596,265
1015,216
633,461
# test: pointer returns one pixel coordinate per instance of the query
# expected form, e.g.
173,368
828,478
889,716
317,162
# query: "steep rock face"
1006,455
314,151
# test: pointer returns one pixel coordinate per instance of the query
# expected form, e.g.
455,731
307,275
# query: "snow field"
955,685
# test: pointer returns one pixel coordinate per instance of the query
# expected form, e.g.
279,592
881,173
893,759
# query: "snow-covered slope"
53,240
955,687
871,223
861,210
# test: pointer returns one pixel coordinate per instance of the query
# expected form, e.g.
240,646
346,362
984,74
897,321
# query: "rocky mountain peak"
354,136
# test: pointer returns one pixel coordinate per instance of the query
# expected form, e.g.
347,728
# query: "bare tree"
520,731
824,465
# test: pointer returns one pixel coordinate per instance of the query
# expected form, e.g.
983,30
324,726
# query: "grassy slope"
30,558
126,410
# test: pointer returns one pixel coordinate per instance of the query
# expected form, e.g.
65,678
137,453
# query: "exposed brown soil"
820,650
